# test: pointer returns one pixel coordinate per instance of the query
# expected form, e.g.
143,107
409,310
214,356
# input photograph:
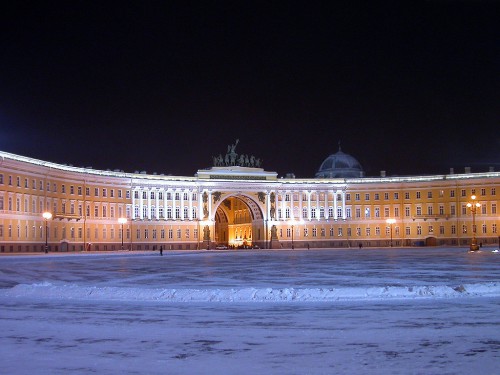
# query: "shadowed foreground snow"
396,311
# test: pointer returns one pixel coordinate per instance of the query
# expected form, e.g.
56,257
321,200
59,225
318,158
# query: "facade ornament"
234,159
216,195
262,196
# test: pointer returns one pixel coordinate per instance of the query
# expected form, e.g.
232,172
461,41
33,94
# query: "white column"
190,204
182,204
141,205
157,204
344,217
309,205
268,205
300,205
283,205
209,204
173,204
318,211
133,205
292,216
326,204
335,215
149,204
200,205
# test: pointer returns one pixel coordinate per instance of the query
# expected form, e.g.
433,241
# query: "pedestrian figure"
161,250
360,245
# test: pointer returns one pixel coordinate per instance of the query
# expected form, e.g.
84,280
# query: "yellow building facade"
238,206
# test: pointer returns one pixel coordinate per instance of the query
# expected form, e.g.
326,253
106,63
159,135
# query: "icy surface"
380,311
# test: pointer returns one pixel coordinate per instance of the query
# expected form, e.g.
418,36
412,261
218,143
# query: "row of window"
376,196
72,190
168,195
367,212
77,233
368,231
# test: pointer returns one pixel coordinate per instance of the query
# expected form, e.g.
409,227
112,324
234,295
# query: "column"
141,205
344,217
133,205
190,204
182,205
308,205
326,205
173,204
300,205
268,205
149,204
335,215
318,211
157,204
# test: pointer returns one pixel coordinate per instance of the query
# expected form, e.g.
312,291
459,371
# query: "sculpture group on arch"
233,159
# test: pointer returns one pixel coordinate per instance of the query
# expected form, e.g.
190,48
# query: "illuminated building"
238,204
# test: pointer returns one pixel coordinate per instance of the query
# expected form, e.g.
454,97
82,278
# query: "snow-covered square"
351,311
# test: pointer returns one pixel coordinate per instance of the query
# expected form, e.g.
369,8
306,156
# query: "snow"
376,311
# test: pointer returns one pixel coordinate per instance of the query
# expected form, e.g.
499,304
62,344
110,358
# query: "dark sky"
410,87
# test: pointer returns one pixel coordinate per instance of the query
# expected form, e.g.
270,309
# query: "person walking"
161,250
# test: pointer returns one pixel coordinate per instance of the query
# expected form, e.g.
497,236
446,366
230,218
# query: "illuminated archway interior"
238,222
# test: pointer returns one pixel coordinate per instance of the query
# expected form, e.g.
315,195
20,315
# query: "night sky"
410,87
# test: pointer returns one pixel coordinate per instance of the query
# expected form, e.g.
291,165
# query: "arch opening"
239,223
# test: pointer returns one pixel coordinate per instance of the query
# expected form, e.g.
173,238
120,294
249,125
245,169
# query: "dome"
340,165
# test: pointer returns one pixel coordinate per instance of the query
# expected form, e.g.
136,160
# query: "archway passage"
239,223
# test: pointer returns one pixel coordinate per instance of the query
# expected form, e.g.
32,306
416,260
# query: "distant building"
237,203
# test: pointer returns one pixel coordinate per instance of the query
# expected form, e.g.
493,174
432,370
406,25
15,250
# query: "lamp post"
292,222
473,208
47,216
122,220
390,222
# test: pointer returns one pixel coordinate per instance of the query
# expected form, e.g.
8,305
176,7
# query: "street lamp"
122,220
292,224
47,216
390,222
473,208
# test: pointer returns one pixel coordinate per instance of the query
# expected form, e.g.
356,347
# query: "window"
493,191
152,195
315,232
96,192
419,230
79,190
367,196
429,194
452,193
407,211
377,196
463,193
419,211
357,197
104,192
72,190
87,191
396,195
348,196
407,195
367,212
63,189
418,195
112,193
304,213
377,211
386,196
